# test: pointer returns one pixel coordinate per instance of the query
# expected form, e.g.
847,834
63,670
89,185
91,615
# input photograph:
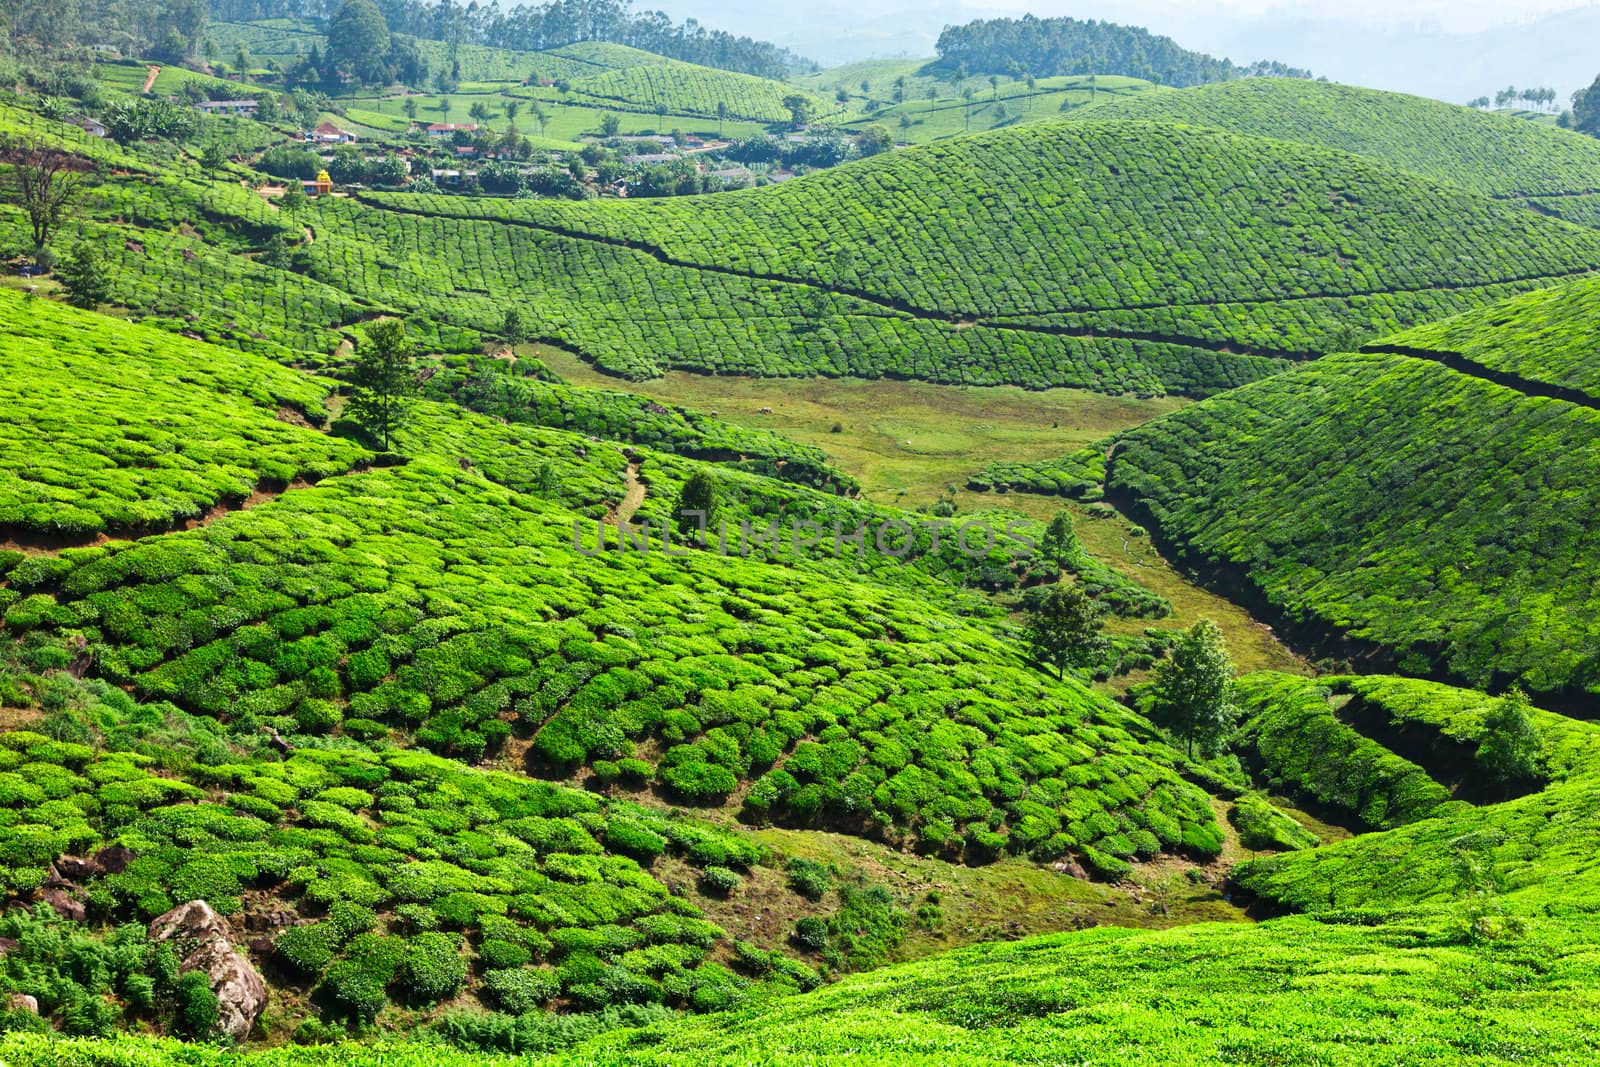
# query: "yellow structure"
322,186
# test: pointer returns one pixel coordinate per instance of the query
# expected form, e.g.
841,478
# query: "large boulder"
205,944
22,1002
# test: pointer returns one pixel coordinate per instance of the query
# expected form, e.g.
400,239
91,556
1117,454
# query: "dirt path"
633,498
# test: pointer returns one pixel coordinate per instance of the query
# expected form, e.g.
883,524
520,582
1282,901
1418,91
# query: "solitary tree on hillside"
383,379
410,108
45,182
1060,545
722,115
967,94
1510,749
85,276
444,106
213,158
1194,689
800,109
1064,629
610,123
698,494
512,107
514,327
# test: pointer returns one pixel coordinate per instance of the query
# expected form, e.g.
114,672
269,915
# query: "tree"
1064,629
1586,109
512,107
213,158
479,111
45,182
383,379
610,123
967,94
410,108
276,254
1060,545
444,106
1193,689
874,140
358,40
514,328
800,109
85,276
722,115
699,494
1510,750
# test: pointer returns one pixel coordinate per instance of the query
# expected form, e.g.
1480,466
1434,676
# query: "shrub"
502,955
809,878
197,1005
811,933
433,969
308,949
521,990
719,880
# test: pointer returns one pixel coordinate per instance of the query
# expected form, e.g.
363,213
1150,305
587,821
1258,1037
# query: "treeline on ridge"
1048,47
538,27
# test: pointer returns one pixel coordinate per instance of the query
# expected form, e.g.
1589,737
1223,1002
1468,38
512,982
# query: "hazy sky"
1462,16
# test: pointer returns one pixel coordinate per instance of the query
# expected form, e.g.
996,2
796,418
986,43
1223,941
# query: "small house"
92,127
328,133
228,107
450,129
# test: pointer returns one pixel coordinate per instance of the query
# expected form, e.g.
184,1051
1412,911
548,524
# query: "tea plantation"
449,742
1493,154
338,659
1052,254
1436,517
179,428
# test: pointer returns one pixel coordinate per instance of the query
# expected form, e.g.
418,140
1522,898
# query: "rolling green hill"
1464,936
686,89
1435,509
1554,170
394,634
1058,254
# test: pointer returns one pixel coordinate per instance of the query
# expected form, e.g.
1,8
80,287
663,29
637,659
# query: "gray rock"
22,1002
205,943
113,859
65,904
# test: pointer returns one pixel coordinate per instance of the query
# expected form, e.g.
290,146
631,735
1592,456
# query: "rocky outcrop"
21,1002
205,944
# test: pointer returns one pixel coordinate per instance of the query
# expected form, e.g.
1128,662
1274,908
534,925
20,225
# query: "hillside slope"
1436,511
1465,936
1032,256
1494,154
282,709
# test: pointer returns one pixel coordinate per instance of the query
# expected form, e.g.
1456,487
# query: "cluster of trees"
167,29
360,47
1191,691
1585,114
536,27
1047,47
1535,99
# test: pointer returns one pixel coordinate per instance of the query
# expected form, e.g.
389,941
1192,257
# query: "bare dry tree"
44,181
